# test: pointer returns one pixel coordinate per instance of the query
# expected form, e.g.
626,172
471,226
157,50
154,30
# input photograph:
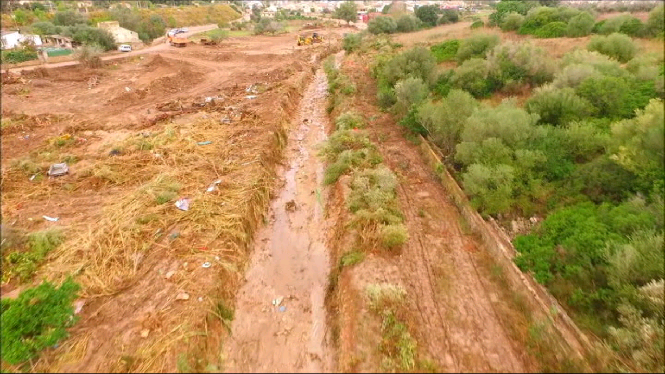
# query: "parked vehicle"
125,48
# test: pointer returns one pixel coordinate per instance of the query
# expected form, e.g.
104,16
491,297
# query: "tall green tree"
347,11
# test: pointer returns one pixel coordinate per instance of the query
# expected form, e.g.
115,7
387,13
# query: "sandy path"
289,264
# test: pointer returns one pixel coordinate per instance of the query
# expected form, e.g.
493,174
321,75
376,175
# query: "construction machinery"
178,41
316,38
307,40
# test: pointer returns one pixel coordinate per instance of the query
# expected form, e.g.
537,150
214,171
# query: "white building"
13,39
120,34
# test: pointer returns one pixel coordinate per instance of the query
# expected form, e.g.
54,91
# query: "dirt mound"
158,61
36,73
184,78
129,97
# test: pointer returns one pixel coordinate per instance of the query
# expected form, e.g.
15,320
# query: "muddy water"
280,317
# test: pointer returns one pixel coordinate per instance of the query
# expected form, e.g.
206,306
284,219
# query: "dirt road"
280,320
155,48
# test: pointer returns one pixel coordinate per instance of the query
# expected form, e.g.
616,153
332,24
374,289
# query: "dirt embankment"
158,283
459,308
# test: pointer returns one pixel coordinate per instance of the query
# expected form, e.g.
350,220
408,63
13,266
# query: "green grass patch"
37,319
23,260
445,51
352,258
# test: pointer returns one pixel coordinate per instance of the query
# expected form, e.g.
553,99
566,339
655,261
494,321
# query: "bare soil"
149,304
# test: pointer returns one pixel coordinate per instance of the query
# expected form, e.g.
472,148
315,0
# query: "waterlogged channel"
280,319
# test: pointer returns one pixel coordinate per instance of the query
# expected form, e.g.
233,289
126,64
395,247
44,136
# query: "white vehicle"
125,48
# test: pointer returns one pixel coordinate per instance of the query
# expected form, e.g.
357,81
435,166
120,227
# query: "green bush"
416,62
537,18
444,121
580,25
512,22
552,30
477,24
613,25
490,188
382,25
656,22
476,46
472,77
448,16
511,64
558,106
407,23
18,55
352,42
23,262
386,97
37,319
393,236
614,97
409,92
632,27
349,121
445,51
617,46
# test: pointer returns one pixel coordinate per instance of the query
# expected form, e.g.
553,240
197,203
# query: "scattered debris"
282,309
127,89
145,333
290,206
206,265
169,274
52,219
115,152
174,235
182,204
251,97
182,296
58,169
252,89
200,298
225,120
33,177
217,258
204,143
277,301
213,186
78,306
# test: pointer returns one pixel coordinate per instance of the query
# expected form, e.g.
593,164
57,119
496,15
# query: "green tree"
639,145
656,22
490,188
407,23
558,106
347,11
512,21
382,25
69,18
476,46
580,25
428,14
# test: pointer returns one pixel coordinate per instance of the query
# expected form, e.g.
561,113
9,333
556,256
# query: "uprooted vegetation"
116,227
581,146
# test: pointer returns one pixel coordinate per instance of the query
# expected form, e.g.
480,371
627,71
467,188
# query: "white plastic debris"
206,265
58,169
182,296
213,186
52,219
250,97
182,204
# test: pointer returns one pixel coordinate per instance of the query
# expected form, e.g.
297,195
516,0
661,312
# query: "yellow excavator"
307,40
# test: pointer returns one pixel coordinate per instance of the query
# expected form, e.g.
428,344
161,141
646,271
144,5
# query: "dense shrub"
43,28
445,51
656,22
612,25
407,23
268,26
93,36
580,25
558,106
552,30
503,8
18,55
617,46
615,97
537,18
472,77
512,22
448,16
428,14
352,42
69,18
572,75
512,64
489,187
409,92
633,27
444,121
476,46
416,62
382,25
477,24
